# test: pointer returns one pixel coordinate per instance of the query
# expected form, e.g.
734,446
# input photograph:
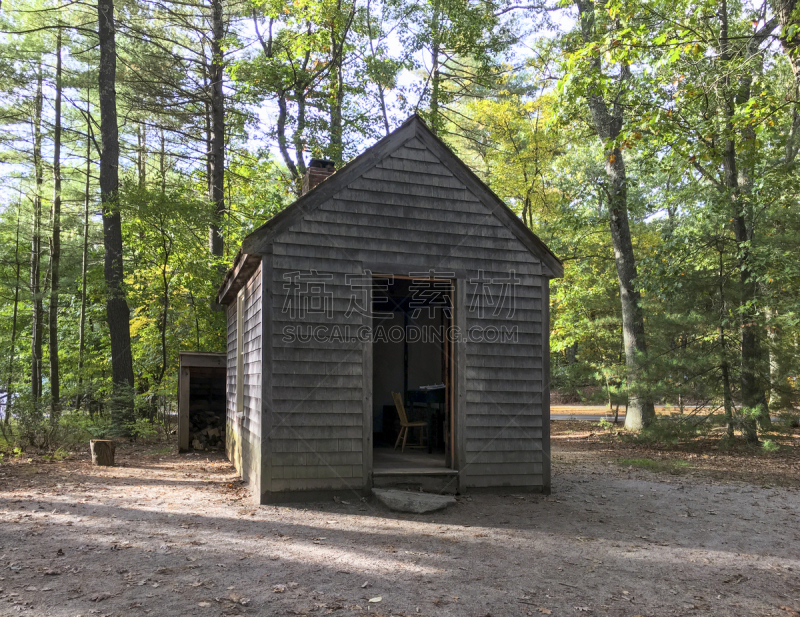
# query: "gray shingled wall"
243,434
408,210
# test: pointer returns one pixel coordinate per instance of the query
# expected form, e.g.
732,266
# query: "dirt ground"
692,532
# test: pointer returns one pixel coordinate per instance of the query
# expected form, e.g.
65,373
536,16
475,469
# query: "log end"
102,451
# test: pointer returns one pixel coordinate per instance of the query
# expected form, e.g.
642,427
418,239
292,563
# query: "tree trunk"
436,78
381,93
608,122
299,143
141,155
641,411
735,183
789,19
85,255
165,304
337,101
12,352
727,397
217,151
162,163
779,391
37,329
102,451
117,309
55,248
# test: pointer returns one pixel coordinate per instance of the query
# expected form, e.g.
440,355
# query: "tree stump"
102,451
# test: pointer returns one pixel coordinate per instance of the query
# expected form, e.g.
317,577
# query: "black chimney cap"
324,163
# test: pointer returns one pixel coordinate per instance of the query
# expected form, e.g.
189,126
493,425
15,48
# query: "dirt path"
171,535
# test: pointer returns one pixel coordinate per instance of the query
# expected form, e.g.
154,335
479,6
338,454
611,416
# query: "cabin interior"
412,357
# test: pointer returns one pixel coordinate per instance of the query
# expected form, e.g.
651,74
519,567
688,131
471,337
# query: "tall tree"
216,155
117,311
37,325
55,245
84,254
604,97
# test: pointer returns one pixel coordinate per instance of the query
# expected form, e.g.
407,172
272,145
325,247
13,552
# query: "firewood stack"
206,427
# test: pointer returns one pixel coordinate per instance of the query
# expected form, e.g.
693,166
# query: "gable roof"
259,241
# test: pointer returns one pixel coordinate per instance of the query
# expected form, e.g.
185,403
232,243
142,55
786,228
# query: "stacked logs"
206,427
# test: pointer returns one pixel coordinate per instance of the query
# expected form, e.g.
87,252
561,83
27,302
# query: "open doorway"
412,357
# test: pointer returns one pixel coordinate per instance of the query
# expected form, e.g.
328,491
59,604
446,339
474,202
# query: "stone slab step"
413,502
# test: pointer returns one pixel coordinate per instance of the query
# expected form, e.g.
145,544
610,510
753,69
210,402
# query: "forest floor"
628,530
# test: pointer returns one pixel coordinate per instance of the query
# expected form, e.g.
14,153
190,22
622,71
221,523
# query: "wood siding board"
253,372
374,196
503,439
506,385
230,399
398,227
267,376
489,457
366,418
420,257
405,244
500,480
415,143
413,166
509,468
419,214
460,411
402,189
382,174
546,467
502,398
423,155
527,418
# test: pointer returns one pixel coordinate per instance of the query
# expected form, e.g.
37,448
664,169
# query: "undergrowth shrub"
673,430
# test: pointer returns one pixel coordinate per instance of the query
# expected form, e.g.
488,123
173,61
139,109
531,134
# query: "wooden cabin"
401,273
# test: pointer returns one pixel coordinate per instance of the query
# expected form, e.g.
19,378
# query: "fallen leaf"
546,611
204,604
365,585
278,588
377,599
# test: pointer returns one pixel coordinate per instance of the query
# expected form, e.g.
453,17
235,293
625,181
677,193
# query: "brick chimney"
318,170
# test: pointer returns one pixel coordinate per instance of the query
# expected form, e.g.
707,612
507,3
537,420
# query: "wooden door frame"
457,381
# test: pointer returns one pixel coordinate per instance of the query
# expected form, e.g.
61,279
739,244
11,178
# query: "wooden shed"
201,400
400,274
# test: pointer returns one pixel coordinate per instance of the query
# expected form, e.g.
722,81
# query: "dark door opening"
412,355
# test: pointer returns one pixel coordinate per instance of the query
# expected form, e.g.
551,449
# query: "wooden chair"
405,424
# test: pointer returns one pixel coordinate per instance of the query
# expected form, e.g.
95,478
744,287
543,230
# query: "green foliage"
674,467
144,429
605,425
675,430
